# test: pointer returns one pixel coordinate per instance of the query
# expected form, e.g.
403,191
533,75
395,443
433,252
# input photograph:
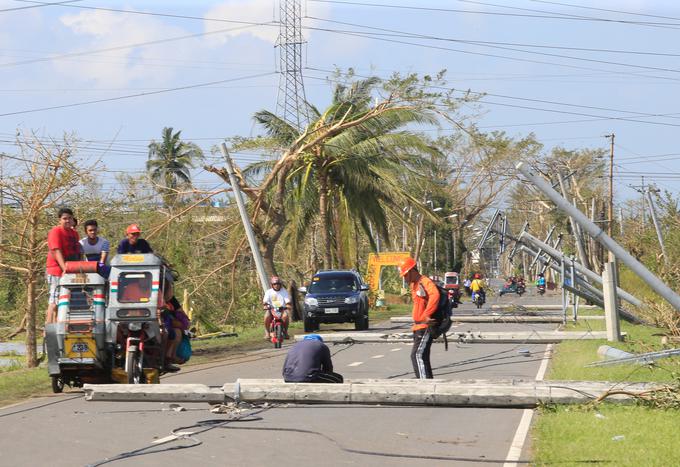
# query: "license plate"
80,347
332,310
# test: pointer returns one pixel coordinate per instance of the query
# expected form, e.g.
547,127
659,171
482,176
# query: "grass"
574,435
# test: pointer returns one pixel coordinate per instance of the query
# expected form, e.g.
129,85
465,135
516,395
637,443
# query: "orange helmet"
405,265
478,276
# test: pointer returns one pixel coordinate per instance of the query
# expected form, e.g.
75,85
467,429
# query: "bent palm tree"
169,165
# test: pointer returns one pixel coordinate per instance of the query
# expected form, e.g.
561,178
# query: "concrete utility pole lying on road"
470,393
470,337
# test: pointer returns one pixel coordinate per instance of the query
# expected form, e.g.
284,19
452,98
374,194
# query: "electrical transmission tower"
291,103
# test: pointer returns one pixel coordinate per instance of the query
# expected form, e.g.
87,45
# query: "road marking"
397,349
356,364
377,356
515,451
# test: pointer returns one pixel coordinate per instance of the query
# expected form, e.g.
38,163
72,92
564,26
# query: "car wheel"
361,324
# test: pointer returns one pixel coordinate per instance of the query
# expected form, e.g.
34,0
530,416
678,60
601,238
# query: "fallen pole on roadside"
465,393
469,337
500,318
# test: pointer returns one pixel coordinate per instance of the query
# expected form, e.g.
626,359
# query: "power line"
130,96
38,6
483,100
128,46
138,12
606,9
551,15
494,45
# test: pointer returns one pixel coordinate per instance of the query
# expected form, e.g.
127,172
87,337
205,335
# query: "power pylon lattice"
291,104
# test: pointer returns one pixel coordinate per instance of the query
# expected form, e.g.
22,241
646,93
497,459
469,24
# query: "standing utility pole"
610,210
657,226
291,104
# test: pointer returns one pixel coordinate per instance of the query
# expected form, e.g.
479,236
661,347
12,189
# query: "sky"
116,73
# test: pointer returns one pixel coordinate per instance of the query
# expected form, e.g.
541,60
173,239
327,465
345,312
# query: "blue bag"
184,349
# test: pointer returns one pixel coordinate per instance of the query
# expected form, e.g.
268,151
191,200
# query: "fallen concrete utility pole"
600,236
469,337
558,256
500,318
481,393
635,359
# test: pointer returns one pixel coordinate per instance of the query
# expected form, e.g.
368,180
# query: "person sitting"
132,243
275,298
309,361
175,322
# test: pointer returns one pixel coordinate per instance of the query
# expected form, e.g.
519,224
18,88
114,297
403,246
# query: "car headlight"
311,301
351,300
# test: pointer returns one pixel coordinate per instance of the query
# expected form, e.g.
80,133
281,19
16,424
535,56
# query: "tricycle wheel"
57,384
135,367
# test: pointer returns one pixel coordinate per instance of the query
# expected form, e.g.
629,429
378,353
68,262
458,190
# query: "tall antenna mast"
291,104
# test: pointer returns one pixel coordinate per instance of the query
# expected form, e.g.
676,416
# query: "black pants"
420,354
325,377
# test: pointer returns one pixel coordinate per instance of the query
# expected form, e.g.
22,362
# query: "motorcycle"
541,289
478,299
454,297
520,288
276,328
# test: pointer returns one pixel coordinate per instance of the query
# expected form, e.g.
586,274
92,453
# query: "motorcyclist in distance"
276,297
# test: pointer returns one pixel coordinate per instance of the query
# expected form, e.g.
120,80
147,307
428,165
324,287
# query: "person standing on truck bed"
95,248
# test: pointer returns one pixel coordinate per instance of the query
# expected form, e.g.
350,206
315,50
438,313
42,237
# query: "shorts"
53,283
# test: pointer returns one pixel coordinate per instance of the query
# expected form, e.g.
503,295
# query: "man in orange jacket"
425,300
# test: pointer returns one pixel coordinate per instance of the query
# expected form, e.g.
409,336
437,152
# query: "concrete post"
598,234
611,316
254,248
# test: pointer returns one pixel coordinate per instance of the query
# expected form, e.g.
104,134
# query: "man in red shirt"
63,245
425,300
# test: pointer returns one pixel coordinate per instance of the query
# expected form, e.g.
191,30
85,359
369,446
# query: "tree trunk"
31,356
324,221
339,237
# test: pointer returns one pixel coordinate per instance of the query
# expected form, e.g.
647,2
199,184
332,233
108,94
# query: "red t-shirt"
67,241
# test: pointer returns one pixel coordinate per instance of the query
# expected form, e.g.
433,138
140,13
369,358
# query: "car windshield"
332,284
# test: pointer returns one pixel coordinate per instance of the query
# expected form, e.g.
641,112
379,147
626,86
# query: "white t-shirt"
94,252
276,299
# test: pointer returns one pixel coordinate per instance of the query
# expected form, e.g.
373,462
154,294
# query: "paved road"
64,430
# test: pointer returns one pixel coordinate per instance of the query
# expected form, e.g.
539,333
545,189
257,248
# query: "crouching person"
175,322
309,361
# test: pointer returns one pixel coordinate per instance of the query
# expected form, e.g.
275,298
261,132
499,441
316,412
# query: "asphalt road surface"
65,430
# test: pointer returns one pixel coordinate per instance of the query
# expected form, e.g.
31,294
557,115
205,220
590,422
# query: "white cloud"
106,30
255,11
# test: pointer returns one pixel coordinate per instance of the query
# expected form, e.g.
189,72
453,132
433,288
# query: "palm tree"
169,164
352,165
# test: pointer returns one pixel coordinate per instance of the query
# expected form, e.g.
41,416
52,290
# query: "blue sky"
537,60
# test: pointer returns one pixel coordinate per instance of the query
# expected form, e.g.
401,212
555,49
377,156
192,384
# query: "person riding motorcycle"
275,298
477,287
540,281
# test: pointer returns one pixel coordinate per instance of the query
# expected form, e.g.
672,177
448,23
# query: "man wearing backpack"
425,296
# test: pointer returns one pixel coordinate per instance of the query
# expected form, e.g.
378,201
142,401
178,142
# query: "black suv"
336,296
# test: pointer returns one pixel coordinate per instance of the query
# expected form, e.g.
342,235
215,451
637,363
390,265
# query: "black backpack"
442,315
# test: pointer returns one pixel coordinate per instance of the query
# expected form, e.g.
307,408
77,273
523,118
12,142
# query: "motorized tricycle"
108,331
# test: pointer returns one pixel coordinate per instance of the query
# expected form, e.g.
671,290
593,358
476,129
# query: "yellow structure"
376,261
